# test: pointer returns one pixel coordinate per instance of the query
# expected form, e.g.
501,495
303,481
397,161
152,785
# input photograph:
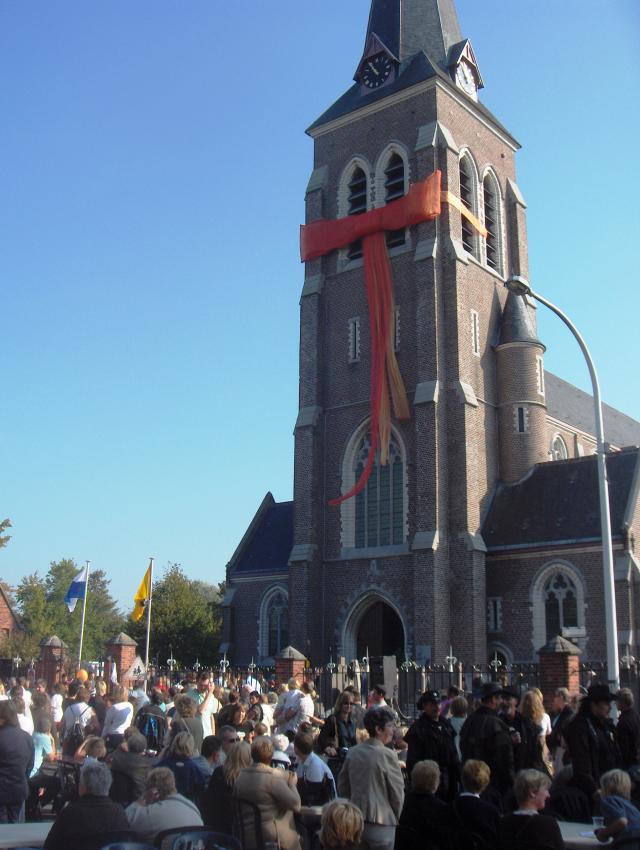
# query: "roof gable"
267,543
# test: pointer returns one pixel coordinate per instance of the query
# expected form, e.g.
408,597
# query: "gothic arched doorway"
380,632
374,626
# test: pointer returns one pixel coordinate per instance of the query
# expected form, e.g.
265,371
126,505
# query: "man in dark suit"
486,737
431,737
627,731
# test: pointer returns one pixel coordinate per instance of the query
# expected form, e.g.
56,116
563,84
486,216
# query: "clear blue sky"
152,179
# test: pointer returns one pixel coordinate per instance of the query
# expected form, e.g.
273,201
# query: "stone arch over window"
376,517
493,221
469,197
558,449
354,198
274,622
392,182
499,650
558,602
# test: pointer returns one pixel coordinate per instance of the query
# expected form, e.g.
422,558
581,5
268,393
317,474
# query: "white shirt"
292,703
306,709
213,707
313,769
77,711
117,719
56,708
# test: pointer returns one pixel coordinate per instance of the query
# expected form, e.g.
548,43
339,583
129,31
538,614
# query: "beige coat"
267,788
371,778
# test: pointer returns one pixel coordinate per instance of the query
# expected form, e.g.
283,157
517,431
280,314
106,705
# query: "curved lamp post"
520,286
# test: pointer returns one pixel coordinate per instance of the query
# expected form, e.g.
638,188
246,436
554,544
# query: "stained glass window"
380,506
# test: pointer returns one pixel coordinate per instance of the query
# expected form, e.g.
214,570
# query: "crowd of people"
470,771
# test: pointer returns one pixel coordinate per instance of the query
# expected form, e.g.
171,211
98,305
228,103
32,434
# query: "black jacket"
529,831
487,738
528,753
434,739
592,747
474,815
16,763
86,818
558,725
627,736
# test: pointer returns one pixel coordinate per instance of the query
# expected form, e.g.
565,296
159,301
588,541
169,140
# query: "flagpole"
146,655
84,611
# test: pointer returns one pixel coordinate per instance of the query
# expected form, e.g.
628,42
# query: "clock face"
465,78
376,71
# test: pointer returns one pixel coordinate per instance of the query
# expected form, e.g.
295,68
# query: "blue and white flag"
77,589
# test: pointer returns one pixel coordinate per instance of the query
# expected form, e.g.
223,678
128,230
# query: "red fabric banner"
421,203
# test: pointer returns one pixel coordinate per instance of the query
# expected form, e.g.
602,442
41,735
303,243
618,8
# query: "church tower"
400,567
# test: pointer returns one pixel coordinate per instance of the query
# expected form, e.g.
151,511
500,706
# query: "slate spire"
408,26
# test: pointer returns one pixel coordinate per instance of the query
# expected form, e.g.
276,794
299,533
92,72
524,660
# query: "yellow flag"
142,595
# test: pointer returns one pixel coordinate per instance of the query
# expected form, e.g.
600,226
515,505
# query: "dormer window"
394,186
357,201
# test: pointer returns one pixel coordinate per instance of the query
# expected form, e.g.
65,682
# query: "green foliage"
44,613
185,618
4,525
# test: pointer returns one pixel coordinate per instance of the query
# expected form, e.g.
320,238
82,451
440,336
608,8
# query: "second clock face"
376,71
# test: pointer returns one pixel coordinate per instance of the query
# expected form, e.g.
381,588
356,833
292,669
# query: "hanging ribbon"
421,203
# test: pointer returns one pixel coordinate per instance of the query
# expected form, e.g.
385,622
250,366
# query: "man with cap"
431,737
486,737
590,740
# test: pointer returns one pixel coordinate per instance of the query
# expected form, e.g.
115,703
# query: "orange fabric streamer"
421,203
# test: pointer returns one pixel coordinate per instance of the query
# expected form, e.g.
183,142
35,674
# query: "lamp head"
517,284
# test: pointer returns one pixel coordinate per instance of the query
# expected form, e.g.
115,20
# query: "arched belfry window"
469,197
394,187
560,604
493,222
379,508
274,622
357,204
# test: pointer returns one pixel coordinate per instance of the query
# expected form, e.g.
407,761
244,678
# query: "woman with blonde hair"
216,803
180,759
621,817
341,825
529,753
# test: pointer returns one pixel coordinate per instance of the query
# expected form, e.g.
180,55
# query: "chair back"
247,823
200,840
164,840
128,845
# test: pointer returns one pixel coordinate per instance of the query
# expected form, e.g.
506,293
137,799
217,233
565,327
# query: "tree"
4,525
185,619
44,612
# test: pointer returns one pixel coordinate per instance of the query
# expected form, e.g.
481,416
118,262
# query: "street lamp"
520,286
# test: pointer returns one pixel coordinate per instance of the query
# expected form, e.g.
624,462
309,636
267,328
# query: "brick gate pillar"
121,649
290,663
50,664
559,668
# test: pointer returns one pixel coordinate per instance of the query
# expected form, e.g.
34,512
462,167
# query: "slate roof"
569,404
266,546
557,503
412,70
516,324
430,25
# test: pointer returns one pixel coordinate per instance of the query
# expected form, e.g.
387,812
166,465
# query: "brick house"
481,532
9,622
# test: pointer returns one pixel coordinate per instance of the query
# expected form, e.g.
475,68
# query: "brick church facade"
482,532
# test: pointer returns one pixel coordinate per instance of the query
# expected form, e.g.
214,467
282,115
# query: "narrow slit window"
540,374
393,189
354,340
396,330
357,205
521,420
475,333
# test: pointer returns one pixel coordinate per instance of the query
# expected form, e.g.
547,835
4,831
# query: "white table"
572,838
24,834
